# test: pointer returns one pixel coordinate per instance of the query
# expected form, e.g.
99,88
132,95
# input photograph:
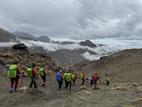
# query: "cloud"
73,18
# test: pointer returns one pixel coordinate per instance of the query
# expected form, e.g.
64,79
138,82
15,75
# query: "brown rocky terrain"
25,58
124,66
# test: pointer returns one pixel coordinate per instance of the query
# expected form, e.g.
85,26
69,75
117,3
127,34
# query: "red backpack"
95,77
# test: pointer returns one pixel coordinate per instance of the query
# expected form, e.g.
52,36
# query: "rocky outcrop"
20,46
87,43
25,58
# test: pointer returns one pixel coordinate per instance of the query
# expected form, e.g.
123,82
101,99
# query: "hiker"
74,77
90,81
47,72
68,79
29,71
64,77
95,78
82,77
14,75
107,79
34,76
43,72
59,79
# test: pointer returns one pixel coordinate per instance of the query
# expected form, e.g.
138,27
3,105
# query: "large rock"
20,46
87,43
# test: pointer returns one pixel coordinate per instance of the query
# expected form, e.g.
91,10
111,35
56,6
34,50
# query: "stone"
20,46
82,98
83,88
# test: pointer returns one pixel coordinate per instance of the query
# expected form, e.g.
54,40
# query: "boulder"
20,46
121,86
88,93
82,98
83,88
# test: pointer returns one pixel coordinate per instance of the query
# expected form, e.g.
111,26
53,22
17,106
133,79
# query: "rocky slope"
66,58
25,58
124,66
5,36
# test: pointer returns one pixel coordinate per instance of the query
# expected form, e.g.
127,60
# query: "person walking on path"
82,77
59,79
68,78
74,78
34,76
43,72
95,78
107,79
14,75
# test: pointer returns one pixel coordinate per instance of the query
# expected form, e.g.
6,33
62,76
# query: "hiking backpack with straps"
12,71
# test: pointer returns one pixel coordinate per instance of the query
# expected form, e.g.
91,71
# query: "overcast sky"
73,18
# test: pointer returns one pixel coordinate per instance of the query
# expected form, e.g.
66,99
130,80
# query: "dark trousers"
95,84
43,77
91,83
68,84
83,82
65,84
33,82
74,81
14,83
60,83
107,83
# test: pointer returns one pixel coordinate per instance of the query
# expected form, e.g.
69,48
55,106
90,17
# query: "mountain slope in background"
124,66
24,35
43,39
66,58
28,36
5,36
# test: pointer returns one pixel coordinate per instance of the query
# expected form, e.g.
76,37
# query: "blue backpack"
58,76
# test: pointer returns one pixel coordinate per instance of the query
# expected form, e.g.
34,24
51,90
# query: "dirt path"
50,96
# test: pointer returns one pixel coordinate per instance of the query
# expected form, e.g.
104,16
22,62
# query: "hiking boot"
43,85
35,87
10,91
15,90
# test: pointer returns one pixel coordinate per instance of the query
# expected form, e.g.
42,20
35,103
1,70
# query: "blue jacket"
58,76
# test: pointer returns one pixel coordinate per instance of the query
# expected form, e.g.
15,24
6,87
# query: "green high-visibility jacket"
41,71
68,77
29,72
65,75
12,71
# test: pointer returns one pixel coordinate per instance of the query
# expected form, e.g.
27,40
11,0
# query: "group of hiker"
14,73
68,77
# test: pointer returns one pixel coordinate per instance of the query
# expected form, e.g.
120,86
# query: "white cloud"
73,18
